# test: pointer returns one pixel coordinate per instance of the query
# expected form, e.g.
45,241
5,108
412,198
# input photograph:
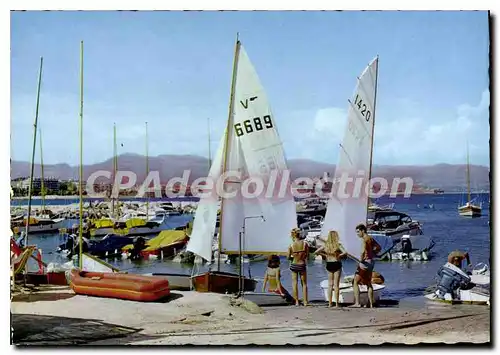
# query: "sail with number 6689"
255,150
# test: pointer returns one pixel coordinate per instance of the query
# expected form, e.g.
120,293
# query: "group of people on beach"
334,253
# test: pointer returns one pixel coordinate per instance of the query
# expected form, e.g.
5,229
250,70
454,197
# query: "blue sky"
173,69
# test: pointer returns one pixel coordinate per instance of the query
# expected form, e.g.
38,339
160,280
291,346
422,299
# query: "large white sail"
256,150
205,218
347,208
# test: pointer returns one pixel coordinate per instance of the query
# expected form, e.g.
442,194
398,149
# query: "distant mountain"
445,176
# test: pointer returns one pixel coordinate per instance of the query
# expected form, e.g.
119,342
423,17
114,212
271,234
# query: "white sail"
255,149
345,209
205,218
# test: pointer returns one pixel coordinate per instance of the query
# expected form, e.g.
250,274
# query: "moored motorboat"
39,225
168,243
456,286
394,224
117,285
411,248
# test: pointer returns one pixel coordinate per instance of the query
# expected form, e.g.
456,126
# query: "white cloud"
424,141
309,134
405,139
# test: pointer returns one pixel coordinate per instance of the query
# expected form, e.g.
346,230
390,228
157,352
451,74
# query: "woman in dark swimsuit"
298,253
334,252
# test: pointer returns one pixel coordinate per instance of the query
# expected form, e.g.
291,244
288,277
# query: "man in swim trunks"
367,261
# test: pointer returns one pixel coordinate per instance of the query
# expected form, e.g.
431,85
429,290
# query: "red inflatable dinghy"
116,285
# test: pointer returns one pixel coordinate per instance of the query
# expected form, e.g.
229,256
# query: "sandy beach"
58,316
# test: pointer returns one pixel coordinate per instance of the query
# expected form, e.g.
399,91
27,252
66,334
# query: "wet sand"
57,317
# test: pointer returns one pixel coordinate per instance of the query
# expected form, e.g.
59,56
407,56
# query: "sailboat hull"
44,228
346,294
221,282
469,211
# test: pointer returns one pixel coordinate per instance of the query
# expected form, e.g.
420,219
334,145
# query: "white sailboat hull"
93,264
469,211
45,228
346,294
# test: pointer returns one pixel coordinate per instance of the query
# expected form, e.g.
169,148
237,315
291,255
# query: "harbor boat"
374,207
166,244
346,294
455,286
101,227
116,285
39,225
250,145
181,282
130,224
312,207
92,263
139,226
355,156
470,209
411,248
394,224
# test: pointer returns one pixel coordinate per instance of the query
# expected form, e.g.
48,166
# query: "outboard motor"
406,246
451,279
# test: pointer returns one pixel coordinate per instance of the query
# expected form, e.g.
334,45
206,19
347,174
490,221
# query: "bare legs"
336,279
334,282
330,288
303,279
370,294
295,287
295,290
355,288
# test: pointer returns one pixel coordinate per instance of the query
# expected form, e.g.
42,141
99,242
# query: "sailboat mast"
42,186
373,130
468,175
30,188
80,229
209,148
226,144
114,209
147,172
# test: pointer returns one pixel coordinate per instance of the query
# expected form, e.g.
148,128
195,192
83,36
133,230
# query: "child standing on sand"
273,276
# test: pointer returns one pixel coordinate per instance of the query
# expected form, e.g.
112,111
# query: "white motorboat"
346,293
411,248
455,286
41,225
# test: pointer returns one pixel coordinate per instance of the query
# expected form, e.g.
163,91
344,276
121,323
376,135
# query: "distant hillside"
445,176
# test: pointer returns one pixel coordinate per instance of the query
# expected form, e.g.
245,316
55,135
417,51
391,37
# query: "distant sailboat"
250,145
469,209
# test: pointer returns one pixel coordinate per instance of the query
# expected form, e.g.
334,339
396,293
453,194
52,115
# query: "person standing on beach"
298,252
334,252
364,271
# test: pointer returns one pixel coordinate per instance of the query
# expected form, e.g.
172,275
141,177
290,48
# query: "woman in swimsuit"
298,253
273,276
334,252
